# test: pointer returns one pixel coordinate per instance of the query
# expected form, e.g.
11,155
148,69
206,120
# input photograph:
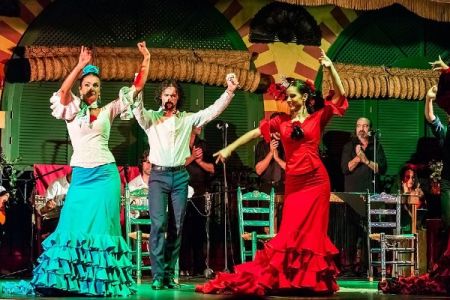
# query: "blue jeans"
168,192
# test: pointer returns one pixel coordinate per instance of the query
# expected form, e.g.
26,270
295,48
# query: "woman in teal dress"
87,255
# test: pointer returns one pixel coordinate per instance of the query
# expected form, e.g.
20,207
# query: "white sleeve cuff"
65,112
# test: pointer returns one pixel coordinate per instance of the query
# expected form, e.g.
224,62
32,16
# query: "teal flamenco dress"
86,255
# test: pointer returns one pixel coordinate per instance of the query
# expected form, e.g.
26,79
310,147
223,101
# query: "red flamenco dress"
300,256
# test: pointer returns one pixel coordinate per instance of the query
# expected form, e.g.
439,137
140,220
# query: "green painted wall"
34,136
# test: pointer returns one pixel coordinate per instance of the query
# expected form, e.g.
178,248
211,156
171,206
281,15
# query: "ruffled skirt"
300,256
86,254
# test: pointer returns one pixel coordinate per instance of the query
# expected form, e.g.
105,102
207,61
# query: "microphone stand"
224,129
375,133
208,272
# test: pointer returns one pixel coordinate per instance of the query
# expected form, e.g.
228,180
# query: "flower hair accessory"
311,85
278,90
297,131
90,69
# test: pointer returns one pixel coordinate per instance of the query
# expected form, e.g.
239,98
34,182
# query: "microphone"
374,132
221,124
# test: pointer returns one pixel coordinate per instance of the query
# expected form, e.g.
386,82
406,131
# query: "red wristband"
138,82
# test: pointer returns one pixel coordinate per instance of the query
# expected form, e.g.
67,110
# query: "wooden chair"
255,216
134,235
383,226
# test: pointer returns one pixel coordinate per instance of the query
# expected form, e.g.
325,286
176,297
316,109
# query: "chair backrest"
256,211
132,202
383,213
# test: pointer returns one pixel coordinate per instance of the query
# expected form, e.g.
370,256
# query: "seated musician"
413,196
55,195
138,187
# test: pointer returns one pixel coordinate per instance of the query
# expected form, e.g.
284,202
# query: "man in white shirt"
169,132
140,182
55,195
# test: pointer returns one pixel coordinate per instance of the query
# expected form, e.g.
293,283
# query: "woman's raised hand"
143,49
325,60
438,65
431,94
85,56
232,82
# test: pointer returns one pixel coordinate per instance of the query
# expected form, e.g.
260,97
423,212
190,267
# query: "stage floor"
349,289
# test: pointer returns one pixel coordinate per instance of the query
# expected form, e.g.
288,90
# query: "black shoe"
157,284
171,283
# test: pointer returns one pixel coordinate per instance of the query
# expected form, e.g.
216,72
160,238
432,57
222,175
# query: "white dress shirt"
137,183
57,190
90,141
169,136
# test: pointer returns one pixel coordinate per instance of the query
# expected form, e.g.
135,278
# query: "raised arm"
439,65
65,91
208,114
247,137
141,78
429,98
339,91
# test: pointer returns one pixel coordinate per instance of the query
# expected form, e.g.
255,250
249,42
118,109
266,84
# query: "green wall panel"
390,37
36,137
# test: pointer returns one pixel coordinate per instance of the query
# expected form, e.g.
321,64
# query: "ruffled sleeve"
264,127
65,112
332,109
269,126
125,103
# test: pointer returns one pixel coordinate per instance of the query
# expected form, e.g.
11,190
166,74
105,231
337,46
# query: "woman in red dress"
300,256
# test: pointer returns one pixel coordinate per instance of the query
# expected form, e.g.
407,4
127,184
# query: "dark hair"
3,193
143,158
87,74
303,88
274,114
169,83
408,167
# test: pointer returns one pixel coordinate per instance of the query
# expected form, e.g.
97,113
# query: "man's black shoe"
171,283
157,284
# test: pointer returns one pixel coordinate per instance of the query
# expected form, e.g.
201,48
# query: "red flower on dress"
297,131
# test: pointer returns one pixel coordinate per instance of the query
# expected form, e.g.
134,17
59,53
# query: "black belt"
169,169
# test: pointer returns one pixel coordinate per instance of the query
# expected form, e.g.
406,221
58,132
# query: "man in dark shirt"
199,166
270,165
358,162
358,165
